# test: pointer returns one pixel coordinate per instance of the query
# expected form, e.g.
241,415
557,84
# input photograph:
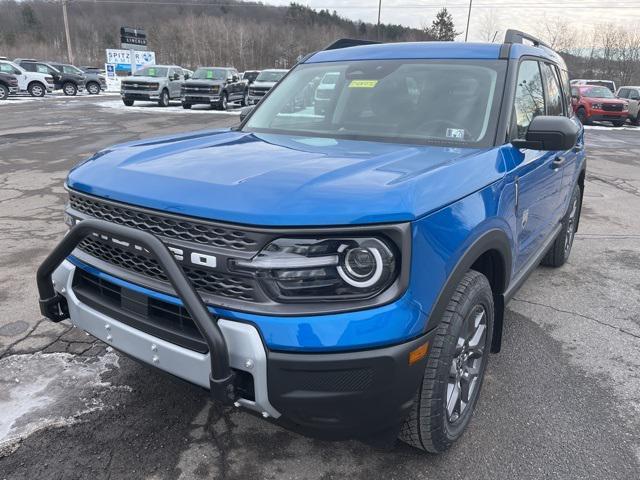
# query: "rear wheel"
128,103
619,123
70,89
186,106
36,89
559,252
582,116
4,92
455,368
245,99
164,99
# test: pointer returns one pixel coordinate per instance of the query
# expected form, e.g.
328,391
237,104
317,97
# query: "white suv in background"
631,95
37,84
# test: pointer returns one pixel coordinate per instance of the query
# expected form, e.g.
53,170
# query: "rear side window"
634,95
623,93
553,91
29,67
42,68
529,100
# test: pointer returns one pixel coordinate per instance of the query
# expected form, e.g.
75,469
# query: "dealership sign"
121,59
133,38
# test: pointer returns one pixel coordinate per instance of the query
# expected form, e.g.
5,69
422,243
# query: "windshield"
152,72
598,92
450,102
267,76
210,74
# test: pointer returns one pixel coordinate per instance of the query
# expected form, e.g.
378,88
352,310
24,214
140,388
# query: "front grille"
214,89
258,92
203,280
162,319
612,107
166,226
139,86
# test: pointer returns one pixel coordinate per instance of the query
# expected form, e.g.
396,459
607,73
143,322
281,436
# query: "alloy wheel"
571,227
467,363
37,91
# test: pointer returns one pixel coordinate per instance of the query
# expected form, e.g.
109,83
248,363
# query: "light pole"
66,30
379,9
466,33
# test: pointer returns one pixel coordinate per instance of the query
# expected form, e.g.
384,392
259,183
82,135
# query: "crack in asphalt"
13,344
619,183
600,322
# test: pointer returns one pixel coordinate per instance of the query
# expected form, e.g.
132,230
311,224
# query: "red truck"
597,103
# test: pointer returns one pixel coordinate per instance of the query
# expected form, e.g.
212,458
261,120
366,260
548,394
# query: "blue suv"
342,271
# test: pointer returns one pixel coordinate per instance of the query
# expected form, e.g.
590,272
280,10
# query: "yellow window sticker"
363,83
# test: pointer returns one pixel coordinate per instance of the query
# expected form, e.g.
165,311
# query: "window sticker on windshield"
363,83
152,72
209,73
455,133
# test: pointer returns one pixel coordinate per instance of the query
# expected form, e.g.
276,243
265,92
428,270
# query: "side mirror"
176,76
550,133
187,76
246,111
235,78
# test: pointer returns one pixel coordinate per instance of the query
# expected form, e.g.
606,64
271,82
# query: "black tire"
224,102
559,252
619,123
582,116
36,89
93,88
186,106
70,89
127,102
245,99
430,425
164,99
4,92
636,121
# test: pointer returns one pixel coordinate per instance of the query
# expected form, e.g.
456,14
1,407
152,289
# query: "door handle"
558,161
578,148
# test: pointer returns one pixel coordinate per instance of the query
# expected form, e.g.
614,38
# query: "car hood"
142,79
263,84
194,82
607,100
278,180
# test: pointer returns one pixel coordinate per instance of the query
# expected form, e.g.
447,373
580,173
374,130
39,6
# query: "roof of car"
431,50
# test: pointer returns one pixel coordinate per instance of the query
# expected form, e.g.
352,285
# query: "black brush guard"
54,306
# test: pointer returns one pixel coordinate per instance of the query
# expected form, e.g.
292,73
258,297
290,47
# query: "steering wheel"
436,128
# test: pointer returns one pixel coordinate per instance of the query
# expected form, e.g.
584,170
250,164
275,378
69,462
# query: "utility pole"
466,33
66,30
379,9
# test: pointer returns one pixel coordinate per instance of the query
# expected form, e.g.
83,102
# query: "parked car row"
598,100
39,77
213,86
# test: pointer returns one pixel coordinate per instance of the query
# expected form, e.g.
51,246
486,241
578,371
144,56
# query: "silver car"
631,95
154,83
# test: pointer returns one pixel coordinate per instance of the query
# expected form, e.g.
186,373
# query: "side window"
42,68
623,93
6,68
529,100
633,95
575,92
568,91
552,90
29,67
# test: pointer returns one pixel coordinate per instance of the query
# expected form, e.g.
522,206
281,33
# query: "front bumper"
149,96
332,395
606,116
13,90
201,99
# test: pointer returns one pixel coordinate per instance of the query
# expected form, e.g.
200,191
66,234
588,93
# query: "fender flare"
496,240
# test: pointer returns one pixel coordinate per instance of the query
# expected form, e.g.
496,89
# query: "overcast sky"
526,15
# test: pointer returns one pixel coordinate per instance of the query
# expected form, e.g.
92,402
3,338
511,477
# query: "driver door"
176,79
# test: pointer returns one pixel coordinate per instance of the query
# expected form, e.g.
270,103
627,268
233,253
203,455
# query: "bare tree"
489,27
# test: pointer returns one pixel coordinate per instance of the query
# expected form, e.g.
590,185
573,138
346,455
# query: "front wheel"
4,92
455,368
186,106
582,116
619,123
36,89
127,103
164,99
224,101
70,89
93,88
559,252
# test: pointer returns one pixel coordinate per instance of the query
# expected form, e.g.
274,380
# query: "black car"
96,81
67,78
215,86
8,85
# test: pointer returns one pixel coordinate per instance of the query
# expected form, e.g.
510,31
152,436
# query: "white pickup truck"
37,84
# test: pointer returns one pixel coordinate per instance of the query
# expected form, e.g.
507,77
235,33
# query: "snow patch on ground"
45,390
150,107
608,127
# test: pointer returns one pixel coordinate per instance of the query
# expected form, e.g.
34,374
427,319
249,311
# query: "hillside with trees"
203,32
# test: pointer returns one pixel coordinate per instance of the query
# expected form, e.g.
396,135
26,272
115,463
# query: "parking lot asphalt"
561,401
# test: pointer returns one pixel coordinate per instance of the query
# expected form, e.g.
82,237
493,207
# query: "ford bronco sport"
344,274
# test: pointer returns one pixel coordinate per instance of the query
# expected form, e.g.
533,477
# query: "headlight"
625,107
316,269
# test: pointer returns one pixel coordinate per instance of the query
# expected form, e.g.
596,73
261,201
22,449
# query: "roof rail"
516,36
348,42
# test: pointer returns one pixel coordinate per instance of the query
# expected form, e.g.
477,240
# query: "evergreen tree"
442,28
